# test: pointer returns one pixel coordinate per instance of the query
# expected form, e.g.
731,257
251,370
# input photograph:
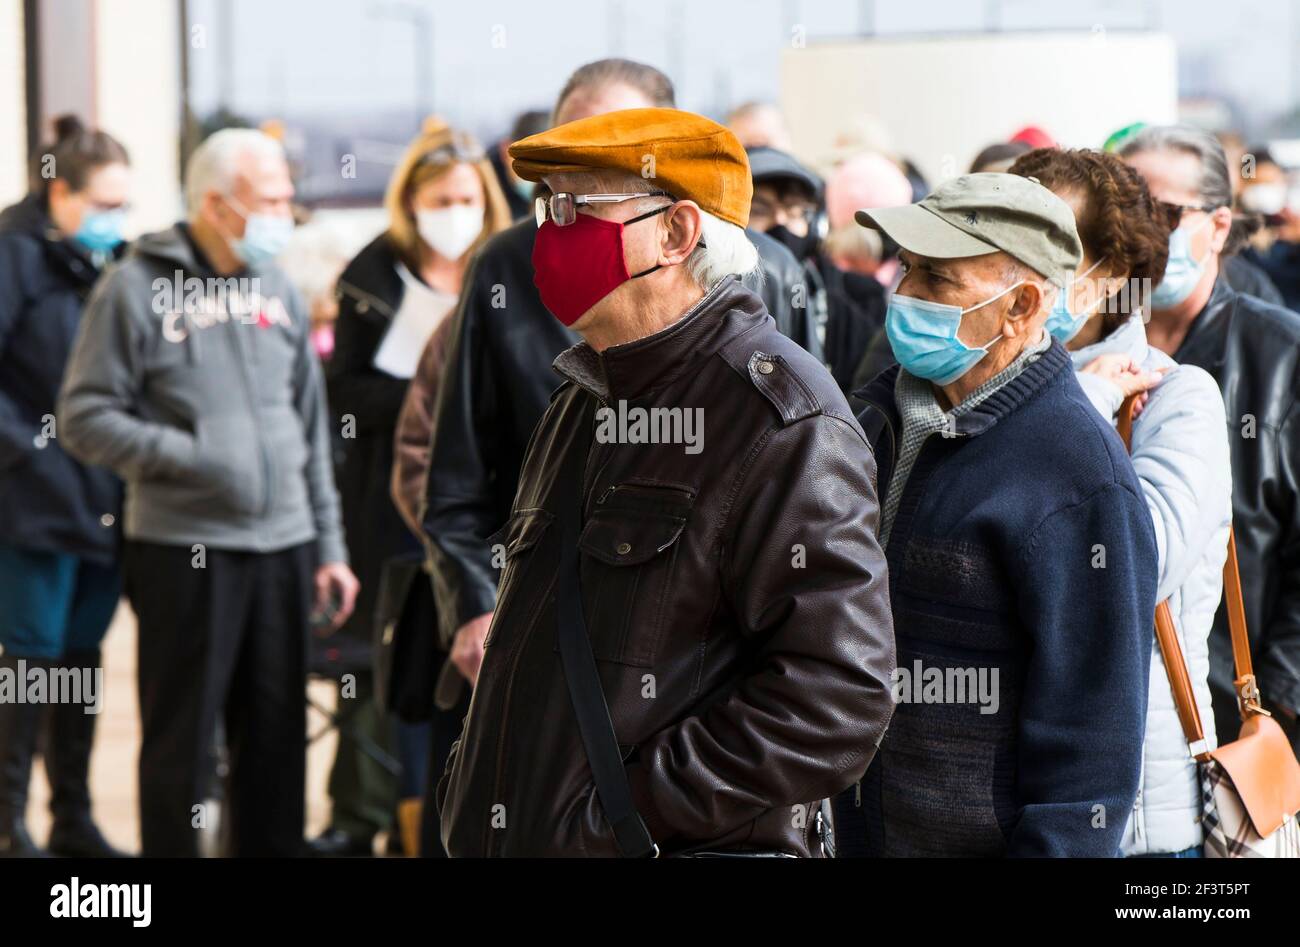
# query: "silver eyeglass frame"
562,206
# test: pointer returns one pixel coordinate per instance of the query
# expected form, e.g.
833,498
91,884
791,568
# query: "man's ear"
1222,226
685,228
1026,301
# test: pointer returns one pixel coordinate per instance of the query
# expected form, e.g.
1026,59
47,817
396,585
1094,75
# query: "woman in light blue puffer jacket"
1179,449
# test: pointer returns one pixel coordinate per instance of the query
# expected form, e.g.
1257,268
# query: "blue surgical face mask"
101,230
1064,324
923,335
1182,273
265,236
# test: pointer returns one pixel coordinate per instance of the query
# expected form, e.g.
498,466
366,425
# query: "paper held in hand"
420,313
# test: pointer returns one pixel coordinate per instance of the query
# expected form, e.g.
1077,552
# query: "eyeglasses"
1176,212
563,207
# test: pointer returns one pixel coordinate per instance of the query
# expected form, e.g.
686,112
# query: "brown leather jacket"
415,430
735,596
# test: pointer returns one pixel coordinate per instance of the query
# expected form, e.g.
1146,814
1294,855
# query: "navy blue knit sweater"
1022,551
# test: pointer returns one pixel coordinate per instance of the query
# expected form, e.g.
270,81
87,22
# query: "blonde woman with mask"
443,202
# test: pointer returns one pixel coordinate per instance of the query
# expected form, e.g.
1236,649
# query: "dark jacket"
994,567
520,206
1253,351
1246,276
369,293
48,501
740,586
855,310
1281,263
496,384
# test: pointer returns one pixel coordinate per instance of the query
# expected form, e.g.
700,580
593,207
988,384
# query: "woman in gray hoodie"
1179,450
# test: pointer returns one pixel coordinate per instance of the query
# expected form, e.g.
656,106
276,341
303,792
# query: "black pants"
445,731
228,638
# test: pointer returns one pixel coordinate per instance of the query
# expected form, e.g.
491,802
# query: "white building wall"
138,100
943,99
13,104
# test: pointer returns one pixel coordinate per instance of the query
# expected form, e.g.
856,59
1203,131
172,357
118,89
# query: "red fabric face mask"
577,266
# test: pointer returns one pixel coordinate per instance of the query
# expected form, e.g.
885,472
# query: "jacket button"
108,519
363,306
624,548
765,368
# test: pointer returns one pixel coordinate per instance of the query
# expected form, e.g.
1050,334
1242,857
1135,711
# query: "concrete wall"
138,99
13,104
943,99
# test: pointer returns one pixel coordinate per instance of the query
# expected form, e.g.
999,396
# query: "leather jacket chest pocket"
629,550
523,580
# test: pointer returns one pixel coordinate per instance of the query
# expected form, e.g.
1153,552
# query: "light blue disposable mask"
101,230
1064,324
923,335
265,236
1182,273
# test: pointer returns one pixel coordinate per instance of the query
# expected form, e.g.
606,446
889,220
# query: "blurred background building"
349,81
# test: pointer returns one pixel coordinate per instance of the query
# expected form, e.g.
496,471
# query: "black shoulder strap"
583,679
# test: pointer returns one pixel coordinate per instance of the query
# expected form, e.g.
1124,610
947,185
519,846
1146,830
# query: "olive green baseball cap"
983,213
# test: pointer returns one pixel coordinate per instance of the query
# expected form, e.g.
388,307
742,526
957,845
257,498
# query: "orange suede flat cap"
687,155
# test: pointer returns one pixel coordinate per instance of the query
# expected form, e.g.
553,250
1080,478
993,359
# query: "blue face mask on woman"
101,230
1182,273
923,335
1064,324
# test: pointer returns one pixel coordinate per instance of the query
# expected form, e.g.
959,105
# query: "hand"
467,646
335,581
1126,375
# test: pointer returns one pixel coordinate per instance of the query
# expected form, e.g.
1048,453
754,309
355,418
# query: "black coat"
1253,351
48,501
496,385
855,311
370,291
1245,275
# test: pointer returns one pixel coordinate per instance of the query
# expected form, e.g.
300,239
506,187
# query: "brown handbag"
1250,788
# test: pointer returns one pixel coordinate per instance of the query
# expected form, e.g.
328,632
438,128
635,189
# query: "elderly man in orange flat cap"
692,644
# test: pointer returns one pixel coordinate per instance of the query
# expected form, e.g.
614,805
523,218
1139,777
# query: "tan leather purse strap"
1167,637
1180,681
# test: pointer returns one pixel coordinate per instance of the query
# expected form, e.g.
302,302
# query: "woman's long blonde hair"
434,152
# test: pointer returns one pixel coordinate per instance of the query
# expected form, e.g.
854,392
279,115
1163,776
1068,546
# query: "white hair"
214,165
723,250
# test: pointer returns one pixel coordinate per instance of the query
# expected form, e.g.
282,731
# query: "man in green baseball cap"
984,258
1018,541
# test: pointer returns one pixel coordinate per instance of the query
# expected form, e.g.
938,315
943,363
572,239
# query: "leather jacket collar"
637,368
1204,342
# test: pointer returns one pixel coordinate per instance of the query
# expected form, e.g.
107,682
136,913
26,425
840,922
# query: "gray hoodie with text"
205,396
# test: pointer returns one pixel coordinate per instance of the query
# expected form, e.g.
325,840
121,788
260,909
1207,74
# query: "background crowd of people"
341,472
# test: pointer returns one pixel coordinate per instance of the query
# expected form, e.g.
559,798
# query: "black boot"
67,761
19,724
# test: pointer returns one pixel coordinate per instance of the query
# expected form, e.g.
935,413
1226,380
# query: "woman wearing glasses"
59,578
1179,449
443,202
1252,349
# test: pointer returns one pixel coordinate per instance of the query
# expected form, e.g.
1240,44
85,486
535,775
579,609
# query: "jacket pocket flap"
622,537
522,532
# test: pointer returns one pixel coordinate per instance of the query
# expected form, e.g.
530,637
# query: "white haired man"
694,526
194,379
